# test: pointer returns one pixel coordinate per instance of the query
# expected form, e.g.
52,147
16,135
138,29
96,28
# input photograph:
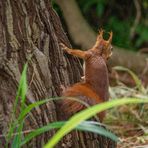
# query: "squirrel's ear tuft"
100,36
110,37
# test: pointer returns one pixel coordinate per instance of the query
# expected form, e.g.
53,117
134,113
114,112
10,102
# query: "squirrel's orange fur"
94,88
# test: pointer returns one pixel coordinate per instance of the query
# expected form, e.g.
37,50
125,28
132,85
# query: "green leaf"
86,114
17,138
22,89
38,103
84,126
91,127
30,107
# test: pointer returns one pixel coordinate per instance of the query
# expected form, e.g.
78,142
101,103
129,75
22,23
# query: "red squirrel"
94,88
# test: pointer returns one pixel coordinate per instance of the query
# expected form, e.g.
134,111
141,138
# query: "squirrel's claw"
64,47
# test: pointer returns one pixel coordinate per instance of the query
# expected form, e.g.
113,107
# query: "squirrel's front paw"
64,47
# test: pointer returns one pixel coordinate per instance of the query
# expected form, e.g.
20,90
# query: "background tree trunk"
30,28
83,36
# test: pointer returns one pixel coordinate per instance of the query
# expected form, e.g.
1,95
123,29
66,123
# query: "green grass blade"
91,127
84,126
10,132
38,103
42,130
30,107
134,76
86,114
22,89
17,138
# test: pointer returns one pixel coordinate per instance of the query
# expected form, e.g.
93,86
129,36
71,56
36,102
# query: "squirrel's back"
94,88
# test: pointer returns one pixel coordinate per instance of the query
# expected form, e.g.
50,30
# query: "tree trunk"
30,29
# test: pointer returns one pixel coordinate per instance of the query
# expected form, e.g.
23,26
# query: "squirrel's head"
104,46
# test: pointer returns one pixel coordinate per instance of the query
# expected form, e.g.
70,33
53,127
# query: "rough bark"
83,35
30,28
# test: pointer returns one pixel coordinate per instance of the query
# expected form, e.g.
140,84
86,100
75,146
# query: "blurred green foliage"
118,16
